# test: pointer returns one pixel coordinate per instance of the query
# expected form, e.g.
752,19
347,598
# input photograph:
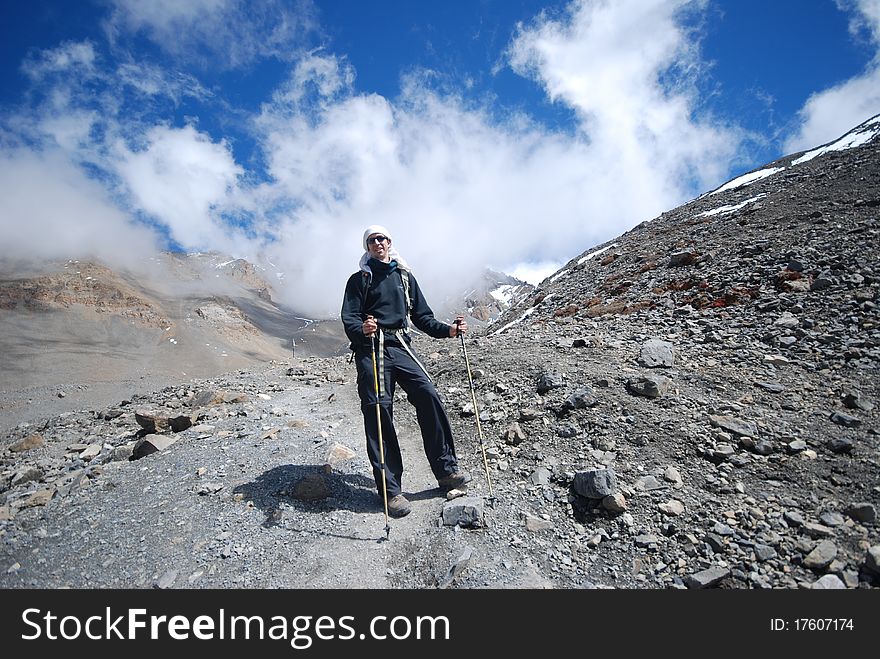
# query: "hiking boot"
454,480
398,506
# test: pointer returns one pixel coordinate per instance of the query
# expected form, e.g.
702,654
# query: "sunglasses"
377,239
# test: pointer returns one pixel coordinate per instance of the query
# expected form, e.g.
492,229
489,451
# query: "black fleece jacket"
382,297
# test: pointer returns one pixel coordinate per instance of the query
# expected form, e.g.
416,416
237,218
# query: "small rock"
734,425
656,353
26,474
536,524
339,453
32,441
828,582
821,556
862,512
844,419
707,578
167,580
151,444
514,434
872,560
38,498
672,475
649,386
466,512
673,507
595,483
614,503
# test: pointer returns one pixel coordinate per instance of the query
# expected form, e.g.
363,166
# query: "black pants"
400,369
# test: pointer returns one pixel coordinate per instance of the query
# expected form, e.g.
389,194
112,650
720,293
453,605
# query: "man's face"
377,248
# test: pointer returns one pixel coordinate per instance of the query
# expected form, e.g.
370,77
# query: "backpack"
404,278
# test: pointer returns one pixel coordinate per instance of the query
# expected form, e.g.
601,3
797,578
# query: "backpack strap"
404,277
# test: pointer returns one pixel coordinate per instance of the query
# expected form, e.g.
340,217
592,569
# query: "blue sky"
510,133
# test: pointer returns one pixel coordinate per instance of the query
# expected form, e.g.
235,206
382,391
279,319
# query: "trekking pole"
381,445
476,412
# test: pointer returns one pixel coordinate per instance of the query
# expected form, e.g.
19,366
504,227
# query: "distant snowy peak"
493,294
223,266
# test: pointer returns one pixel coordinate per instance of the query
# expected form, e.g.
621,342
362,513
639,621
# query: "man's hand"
370,326
459,327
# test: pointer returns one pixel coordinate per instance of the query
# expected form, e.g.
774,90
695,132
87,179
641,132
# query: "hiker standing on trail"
379,301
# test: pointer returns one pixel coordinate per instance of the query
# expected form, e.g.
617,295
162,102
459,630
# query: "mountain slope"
723,360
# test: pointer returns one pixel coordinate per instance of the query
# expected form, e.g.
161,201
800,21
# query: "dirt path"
220,509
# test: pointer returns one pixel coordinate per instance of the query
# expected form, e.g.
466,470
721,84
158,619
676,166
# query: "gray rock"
614,503
581,399
817,530
514,434
707,578
466,512
764,552
123,452
844,419
673,508
550,380
821,556
26,474
840,445
649,483
167,579
854,401
656,353
646,540
649,386
872,560
794,518
595,483
828,582
734,425
155,422
151,444
536,524
831,519
863,512
459,565
541,476
90,452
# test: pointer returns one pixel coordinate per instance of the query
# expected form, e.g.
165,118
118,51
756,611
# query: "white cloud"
219,33
830,113
865,16
153,81
69,55
50,210
182,179
458,188
628,69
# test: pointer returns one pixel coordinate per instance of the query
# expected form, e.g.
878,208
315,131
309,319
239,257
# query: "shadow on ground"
310,490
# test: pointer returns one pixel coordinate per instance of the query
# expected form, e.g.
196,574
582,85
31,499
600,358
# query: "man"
380,300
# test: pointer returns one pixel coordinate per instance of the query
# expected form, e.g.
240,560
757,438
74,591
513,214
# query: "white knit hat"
392,251
375,228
